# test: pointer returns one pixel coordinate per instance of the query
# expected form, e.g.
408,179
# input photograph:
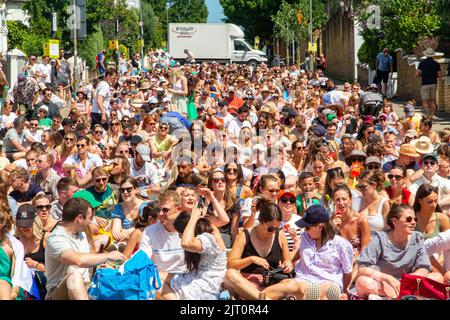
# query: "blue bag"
139,280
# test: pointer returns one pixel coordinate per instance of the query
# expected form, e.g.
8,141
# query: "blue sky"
215,11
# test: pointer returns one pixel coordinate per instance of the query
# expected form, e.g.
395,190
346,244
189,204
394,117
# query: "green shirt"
108,200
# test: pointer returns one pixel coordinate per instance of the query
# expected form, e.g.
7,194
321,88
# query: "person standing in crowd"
430,72
101,103
384,64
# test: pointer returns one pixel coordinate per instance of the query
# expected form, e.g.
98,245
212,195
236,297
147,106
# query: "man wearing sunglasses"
430,175
162,242
143,170
47,102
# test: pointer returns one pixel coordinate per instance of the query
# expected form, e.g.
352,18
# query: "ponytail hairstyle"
395,212
192,258
374,177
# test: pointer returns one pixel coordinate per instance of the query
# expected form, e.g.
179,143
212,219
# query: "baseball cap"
43,108
25,215
319,131
326,112
231,89
144,151
373,160
383,115
89,197
409,110
313,215
153,101
373,86
430,156
286,191
135,139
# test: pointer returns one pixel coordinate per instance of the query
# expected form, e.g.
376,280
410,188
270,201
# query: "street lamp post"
311,54
75,47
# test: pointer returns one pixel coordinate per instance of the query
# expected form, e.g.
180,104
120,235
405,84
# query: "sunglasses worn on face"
81,145
373,167
165,210
274,190
394,177
42,207
361,187
272,229
101,179
216,180
429,162
288,199
410,219
69,139
128,190
231,170
115,124
98,132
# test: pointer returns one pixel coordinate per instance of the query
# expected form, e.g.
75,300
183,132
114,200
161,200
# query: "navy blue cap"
313,215
319,131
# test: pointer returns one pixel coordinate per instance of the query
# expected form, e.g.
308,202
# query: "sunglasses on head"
288,199
104,179
394,177
42,207
128,190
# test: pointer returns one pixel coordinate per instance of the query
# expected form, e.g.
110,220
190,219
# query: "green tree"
254,16
403,24
188,11
17,33
153,31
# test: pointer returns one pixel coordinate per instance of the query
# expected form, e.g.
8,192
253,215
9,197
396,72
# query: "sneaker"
373,296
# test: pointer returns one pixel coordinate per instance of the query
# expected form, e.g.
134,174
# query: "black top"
234,210
39,255
53,109
32,191
273,258
429,68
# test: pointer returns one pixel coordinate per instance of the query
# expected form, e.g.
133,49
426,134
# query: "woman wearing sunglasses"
397,191
113,133
126,212
235,181
298,155
367,129
63,151
218,185
324,270
390,254
374,204
257,251
287,202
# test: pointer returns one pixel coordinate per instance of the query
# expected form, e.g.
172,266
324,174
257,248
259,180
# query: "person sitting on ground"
390,254
68,254
256,251
23,189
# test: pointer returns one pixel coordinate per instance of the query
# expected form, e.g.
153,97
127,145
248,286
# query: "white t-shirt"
37,135
146,175
164,248
93,160
103,89
226,119
5,120
235,125
46,69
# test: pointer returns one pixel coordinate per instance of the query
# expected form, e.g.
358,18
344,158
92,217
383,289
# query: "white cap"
144,151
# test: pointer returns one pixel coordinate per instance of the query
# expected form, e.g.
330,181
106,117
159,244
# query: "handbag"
137,279
422,287
274,276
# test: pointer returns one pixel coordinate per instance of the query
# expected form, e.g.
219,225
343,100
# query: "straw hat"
423,145
407,149
145,85
429,52
137,103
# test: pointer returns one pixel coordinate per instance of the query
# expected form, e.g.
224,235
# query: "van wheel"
252,63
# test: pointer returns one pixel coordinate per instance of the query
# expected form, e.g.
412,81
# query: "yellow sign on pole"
51,48
113,45
257,40
140,43
312,47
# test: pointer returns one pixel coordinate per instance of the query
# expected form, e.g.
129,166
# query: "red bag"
423,287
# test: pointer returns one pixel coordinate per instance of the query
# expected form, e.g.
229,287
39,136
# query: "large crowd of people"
238,182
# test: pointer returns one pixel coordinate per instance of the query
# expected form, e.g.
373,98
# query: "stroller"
371,104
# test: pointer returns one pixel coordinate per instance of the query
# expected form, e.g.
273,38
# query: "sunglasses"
288,199
81,145
42,207
216,180
231,170
394,177
410,219
273,190
101,180
114,124
128,190
429,162
98,132
362,187
163,128
33,124
69,139
165,210
272,229
373,167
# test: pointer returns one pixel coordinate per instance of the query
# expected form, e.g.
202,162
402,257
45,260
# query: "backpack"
137,279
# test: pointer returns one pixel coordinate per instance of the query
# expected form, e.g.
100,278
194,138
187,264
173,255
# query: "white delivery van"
221,42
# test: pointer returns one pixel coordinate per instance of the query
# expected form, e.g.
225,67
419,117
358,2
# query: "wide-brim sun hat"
429,52
423,145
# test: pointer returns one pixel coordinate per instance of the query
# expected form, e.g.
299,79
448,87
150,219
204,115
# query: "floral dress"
205,283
